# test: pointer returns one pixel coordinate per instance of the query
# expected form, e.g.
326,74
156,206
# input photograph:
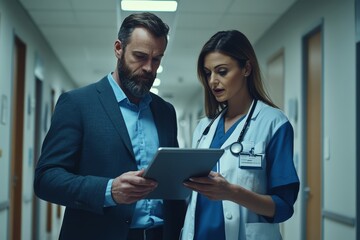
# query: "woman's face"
225,78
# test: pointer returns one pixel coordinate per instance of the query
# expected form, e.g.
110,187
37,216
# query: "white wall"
15,21
188,118
338,18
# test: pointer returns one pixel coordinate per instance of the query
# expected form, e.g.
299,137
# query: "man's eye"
141,57
156,60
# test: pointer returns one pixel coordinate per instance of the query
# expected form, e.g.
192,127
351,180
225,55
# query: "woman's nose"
213,79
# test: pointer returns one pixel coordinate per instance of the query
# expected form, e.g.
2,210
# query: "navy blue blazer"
86,145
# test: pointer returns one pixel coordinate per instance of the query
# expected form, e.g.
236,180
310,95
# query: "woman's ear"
118,48
248,68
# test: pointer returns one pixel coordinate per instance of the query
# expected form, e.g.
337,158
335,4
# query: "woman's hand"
214,186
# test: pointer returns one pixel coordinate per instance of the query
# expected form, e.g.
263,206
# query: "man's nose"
148,66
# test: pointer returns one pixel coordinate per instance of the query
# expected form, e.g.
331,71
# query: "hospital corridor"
308,52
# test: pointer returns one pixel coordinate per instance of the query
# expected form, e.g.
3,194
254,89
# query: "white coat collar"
207,139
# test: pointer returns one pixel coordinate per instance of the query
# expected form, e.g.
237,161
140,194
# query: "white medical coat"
240,223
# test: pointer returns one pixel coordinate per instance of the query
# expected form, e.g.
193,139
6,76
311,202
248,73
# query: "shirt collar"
121,97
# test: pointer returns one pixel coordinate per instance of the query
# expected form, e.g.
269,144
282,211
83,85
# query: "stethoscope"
236,147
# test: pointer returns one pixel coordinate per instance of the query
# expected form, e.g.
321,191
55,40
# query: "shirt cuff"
109,201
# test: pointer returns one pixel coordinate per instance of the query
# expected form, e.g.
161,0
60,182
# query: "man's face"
137,84
139,62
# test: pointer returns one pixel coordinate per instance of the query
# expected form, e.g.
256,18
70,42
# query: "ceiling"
82,34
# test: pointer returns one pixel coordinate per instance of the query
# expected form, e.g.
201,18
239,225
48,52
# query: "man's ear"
118,48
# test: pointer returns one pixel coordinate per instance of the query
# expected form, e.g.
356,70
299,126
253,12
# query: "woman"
255,184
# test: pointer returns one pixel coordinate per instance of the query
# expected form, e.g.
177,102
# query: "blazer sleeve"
56,177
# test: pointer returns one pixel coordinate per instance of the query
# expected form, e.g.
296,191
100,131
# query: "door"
313,93
37,148
17,133
275,76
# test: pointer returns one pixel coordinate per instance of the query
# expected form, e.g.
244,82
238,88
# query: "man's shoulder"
100,85
86,94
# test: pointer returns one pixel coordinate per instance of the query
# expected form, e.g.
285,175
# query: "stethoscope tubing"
236,147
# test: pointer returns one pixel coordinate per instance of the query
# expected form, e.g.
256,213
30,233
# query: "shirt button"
228,215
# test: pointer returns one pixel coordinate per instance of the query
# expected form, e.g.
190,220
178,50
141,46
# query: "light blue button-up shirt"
145,142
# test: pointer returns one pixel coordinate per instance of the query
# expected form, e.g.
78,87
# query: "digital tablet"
170,167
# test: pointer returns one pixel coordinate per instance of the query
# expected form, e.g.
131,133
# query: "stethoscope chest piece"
236,148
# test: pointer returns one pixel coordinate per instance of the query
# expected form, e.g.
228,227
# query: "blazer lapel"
109,103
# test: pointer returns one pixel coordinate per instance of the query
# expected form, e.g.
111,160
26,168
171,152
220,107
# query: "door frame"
17,137
303,186
357,115
37,148
357,224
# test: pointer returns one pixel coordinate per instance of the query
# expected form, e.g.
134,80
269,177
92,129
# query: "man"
102,134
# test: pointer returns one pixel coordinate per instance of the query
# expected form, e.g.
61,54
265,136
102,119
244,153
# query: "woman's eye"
222,72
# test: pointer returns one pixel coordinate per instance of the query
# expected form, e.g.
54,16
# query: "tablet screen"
170,167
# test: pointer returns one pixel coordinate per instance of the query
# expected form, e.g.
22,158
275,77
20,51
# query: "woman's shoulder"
271,114
204,121
270,110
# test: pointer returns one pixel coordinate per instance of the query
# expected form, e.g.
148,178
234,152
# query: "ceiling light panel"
154,6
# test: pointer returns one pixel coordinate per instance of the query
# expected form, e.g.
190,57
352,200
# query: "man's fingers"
135,178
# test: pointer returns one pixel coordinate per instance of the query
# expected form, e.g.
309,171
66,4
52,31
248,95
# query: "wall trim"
340,218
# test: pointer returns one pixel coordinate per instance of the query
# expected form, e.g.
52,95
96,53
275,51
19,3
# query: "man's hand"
131,187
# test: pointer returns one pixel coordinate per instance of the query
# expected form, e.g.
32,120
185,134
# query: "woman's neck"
236,111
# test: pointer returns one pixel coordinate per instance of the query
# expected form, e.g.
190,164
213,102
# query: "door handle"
15,180
306,191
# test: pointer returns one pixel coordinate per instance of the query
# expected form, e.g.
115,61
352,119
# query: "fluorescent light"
154,90
160,69
156,6
157,82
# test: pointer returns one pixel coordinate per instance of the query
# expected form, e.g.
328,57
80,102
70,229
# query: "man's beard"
138,85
